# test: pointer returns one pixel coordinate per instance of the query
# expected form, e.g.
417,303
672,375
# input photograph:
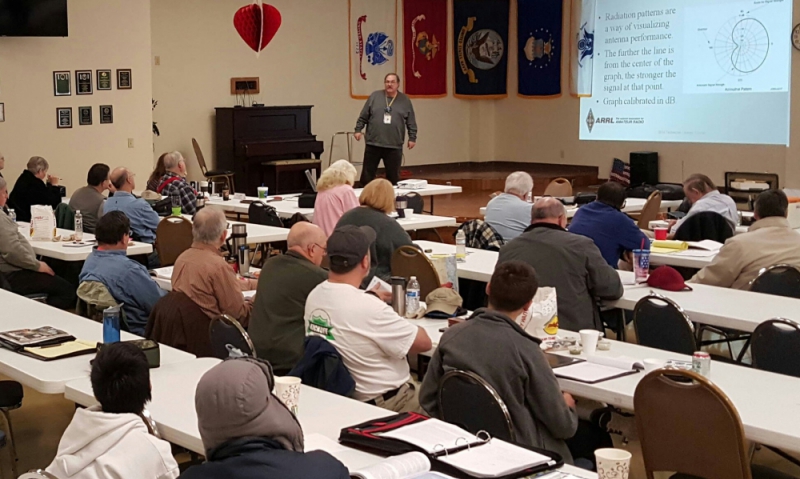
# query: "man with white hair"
202,274
569,262
509,213
276,326
174,182
31,189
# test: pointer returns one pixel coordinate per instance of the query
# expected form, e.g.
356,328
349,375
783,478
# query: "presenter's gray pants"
392,159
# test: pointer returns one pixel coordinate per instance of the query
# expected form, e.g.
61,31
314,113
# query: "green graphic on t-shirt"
320,325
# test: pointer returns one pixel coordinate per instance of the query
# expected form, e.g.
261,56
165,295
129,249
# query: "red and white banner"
425,53
373,44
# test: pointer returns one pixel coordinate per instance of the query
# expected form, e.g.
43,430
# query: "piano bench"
276,167
295,162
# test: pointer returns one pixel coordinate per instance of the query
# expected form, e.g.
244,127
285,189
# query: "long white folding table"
256,233
287,205
767,403
320,413
632,205
49,377
711,305
59,249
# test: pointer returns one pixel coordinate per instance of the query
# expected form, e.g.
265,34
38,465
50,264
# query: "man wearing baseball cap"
371,337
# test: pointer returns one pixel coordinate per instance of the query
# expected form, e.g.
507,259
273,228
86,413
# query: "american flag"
620,172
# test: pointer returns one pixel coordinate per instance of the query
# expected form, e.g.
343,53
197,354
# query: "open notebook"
686,248
598,368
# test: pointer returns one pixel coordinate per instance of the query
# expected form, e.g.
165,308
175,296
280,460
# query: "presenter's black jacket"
30,190
573,265
263,458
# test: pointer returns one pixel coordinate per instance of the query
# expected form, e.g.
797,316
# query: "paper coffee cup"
409,212
613,463
589,338
287,388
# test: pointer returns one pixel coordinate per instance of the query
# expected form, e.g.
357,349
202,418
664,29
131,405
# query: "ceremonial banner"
539,40
425,53
480,40
373,44
581,47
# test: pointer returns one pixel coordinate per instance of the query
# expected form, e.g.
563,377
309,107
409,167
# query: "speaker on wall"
644,168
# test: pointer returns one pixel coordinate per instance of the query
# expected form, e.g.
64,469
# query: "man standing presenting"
386,115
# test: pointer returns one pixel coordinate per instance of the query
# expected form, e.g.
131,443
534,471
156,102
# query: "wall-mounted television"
33,18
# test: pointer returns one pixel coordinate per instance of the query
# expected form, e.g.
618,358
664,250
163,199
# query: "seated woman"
31,189
21,272
247,432
335,195
157,174
377,202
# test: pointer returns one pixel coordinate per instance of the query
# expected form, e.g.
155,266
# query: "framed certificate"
104,80
106,114
83,82
84,115
124,80
62,83
64,117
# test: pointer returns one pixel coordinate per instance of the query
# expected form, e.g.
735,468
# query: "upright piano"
267,145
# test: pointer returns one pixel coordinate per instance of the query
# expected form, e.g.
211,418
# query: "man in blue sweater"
612,231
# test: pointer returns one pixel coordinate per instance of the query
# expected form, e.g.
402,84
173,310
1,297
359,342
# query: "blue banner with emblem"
539,40
480,42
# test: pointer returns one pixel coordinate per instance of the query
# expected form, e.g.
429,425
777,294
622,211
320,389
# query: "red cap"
665,277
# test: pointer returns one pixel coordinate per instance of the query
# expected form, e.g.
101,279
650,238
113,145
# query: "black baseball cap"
348,245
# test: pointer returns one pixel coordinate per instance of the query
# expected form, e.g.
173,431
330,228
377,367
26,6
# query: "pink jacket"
331,205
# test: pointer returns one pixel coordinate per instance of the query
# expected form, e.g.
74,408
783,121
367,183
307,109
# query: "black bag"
585,198
261,214
671,191
307,200
163,207
641,191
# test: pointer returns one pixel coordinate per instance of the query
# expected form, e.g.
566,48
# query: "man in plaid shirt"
174,182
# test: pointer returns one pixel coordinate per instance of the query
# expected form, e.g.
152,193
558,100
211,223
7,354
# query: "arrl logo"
604,120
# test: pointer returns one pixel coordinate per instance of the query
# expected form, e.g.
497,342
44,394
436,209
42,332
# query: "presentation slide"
705,71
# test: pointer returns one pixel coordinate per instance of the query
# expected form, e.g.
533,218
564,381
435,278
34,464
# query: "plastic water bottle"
111,325
12,214
78,226
412,297
461,246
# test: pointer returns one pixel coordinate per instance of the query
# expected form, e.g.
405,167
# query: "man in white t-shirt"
372,339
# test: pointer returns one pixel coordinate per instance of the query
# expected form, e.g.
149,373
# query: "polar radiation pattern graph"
741,45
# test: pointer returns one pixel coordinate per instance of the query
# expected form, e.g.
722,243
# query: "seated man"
127,280
276,326
112,440
144,219
509,213
612,231
769,241
493,346
89,199
173,183
21,271
248,433
202,274
703,195
371,337
34,187
569,262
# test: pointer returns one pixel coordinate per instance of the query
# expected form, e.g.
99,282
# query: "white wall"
102,35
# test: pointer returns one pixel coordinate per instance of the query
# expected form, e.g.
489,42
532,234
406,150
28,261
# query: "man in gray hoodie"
493,346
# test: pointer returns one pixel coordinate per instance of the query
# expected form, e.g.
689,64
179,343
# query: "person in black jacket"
248,433
30,189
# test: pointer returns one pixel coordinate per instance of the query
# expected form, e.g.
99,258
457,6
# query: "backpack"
262,214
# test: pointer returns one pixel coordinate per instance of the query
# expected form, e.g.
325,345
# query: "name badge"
387,118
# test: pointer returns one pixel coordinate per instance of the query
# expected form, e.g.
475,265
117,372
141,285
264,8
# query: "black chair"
660,323
228,337
775,347
704,226
467,400
778,279
11,395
